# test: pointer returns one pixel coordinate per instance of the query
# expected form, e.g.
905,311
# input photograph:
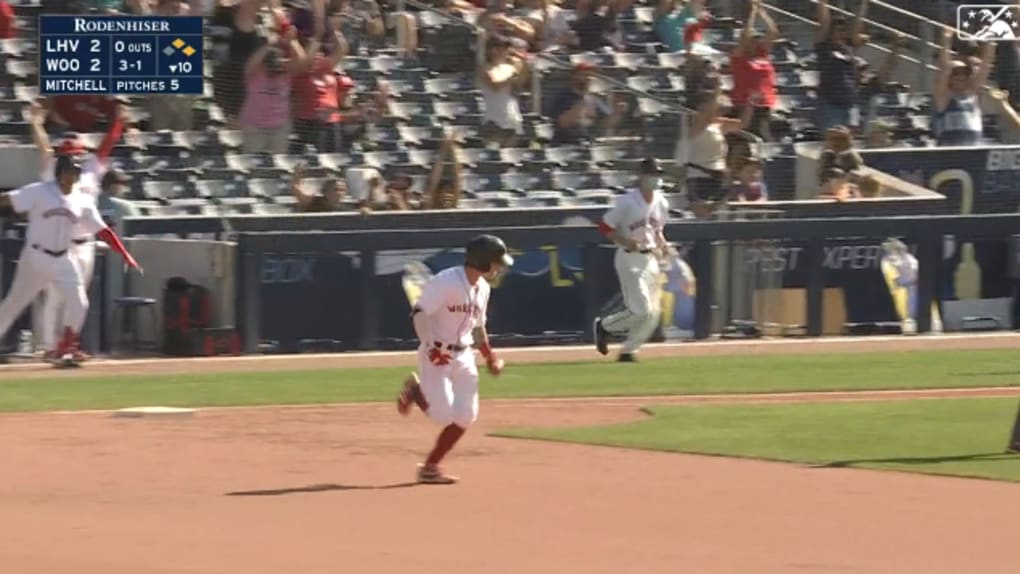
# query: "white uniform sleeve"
616,215
91,221
95,167
25,198
46,174
431,298
484,304
663,214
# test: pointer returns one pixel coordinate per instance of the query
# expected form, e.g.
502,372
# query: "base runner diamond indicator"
178,43
168,51
188,51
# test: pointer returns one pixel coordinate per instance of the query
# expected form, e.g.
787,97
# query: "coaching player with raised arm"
83,246
635,224
448,316
56,210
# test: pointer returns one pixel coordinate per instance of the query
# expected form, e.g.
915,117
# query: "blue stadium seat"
424,137
481,183
597,196
522,155
454,111
171,174
447,85
23,70
237,206
415,97
338,161
544,199
250,162
491,167
192,206
271,209
168,190
221,189
619,179
272,188
527,182
230,139
575,181
411,109
288,202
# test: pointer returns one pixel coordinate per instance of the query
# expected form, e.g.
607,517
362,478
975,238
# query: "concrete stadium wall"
19,165
207,263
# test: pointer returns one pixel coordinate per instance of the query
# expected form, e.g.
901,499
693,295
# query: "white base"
138,412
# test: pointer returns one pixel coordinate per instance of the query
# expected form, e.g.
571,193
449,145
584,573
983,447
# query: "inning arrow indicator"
173,67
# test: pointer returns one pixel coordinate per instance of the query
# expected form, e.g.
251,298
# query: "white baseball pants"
36,270
641,286
451,390
84,258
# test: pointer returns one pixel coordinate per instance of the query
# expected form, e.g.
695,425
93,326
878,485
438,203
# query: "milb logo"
987,22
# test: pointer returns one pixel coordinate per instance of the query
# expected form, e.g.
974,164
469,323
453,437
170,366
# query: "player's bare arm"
37,124
5,202
420,321
661,245
494,363
303,198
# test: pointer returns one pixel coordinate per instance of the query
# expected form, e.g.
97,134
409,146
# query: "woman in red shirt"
317,105
754,75
8,24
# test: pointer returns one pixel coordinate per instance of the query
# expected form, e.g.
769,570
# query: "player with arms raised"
449,315
83,247
55,210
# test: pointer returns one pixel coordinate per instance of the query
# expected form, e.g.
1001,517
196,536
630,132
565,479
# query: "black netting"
401,105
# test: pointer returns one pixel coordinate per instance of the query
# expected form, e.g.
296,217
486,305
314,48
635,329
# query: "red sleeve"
110,139
692,33
114,242
605,228
8,29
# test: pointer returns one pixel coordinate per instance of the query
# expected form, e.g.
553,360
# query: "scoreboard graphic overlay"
107,55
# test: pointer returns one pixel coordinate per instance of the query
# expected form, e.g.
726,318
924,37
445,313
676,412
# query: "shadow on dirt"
320,488
921,460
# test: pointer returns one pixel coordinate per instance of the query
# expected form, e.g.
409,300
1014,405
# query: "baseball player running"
447,317
635,224
55,209
83,246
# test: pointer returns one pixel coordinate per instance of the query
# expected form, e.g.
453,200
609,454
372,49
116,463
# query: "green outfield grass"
961,437
763,373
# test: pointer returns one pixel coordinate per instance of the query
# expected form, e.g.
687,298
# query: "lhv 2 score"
89,54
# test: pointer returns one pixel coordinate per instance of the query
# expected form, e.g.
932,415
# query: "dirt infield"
327,489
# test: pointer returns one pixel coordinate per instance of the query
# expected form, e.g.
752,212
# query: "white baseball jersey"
92,172
53,217
634,218
454,308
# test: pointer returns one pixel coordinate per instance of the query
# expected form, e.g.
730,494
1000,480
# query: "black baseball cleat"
601,337
1014,448
627,358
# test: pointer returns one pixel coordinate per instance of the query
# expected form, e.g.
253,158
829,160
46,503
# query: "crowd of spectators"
277,69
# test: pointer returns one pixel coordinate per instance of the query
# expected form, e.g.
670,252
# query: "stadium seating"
203,172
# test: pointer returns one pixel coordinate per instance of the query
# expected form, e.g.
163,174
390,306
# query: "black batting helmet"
67,162
484,250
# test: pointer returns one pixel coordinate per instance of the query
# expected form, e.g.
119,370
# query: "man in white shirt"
635,224
56,211
448,315
83,246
